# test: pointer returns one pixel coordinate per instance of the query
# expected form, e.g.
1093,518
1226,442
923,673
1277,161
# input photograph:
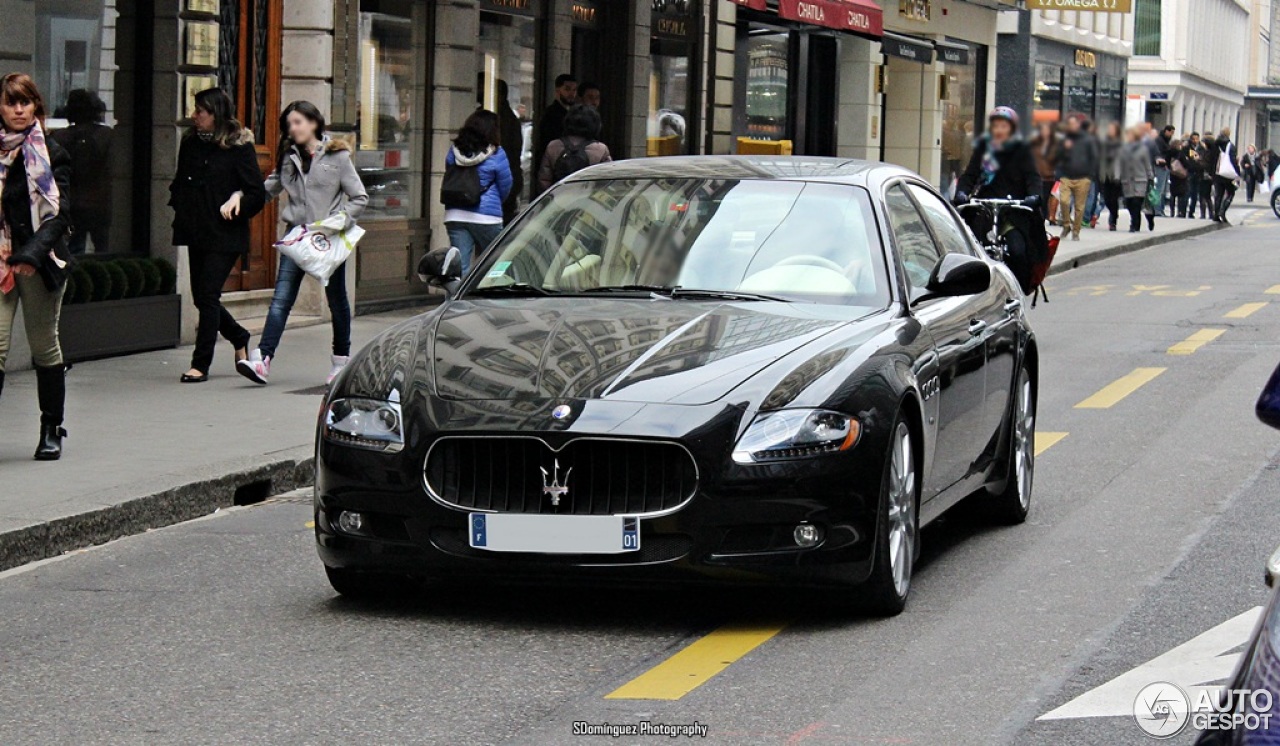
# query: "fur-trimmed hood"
243,136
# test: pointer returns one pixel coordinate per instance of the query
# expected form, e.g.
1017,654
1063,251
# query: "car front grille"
599,476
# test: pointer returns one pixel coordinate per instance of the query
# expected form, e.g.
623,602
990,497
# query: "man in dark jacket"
551,125
1078,167
511,133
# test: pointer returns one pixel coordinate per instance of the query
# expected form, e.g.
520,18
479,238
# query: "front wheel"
897,528
1010,505
1275,202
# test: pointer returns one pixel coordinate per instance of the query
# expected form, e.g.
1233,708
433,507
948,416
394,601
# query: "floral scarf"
989,163
44,190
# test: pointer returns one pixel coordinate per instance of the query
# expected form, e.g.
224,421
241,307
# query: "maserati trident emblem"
562,411
551,484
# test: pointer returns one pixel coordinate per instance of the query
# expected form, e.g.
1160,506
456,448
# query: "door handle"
1011,306
977,328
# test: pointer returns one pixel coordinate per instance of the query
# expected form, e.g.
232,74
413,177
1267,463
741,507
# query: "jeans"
1193,194
1093,205
209,272
471,239
1162,183
41,308
1077,191
288,283
1134,205
1112,194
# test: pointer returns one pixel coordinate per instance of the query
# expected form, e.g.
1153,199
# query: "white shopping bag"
321,247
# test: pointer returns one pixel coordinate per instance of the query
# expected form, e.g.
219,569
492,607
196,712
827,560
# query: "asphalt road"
1150,524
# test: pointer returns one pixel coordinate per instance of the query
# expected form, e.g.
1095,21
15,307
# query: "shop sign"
1085,58
844,16
915,10
1095,6
203,6
585,13
201,45
529,8
953,54
672,19
752,4
907,48
1158,96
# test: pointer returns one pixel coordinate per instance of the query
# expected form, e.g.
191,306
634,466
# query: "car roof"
790,168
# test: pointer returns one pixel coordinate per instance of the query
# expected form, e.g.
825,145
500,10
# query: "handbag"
1225,169
320,248
1268,407
1155,196
1178,170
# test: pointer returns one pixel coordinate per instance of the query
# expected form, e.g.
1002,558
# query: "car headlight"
796,433
365,423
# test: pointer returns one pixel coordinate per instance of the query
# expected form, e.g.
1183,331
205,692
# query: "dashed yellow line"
1196,341
1273,290
1245,311
695,665
1114,392
1045,441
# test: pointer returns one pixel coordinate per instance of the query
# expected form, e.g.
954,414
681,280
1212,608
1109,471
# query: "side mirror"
442,268
1273,569
958,274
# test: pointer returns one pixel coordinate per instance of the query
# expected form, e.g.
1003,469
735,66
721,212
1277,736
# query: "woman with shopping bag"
325,198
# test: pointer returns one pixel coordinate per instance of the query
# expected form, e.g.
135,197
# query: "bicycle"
994,238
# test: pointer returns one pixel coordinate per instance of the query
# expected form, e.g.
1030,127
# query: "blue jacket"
495,180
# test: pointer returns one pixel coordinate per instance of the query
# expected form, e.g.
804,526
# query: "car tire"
897,527
1275,202
366,586
1011,504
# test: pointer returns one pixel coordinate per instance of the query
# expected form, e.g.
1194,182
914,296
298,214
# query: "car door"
959,384
995,313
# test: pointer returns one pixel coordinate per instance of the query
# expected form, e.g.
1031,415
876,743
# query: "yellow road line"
695,665
1245,311
1196,341
1112,393
1045,441
309,524
1273,290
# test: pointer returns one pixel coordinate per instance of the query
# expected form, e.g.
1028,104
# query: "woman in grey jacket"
1135,173
320,180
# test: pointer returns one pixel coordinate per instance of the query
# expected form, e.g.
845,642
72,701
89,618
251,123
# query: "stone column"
858,125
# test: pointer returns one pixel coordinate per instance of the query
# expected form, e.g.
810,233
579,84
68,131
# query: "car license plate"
554,534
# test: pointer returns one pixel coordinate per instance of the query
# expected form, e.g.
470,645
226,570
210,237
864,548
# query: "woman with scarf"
217,190
473,226
1003,167
35,188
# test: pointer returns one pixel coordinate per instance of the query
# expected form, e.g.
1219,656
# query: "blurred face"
1001,129
301,130
1073,125
568,93
18,116
203,119
592,98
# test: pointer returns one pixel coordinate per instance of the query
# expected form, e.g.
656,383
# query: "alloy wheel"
1024,437
902,509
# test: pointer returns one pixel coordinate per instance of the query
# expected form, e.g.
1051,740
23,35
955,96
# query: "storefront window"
670,47
76,50
1110,99
961,114
1080,93
386,131
508,74
1048,98
767,85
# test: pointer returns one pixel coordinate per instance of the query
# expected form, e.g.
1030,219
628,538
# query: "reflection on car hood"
677,352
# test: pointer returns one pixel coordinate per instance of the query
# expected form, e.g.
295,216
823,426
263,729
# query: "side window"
950,234
916,247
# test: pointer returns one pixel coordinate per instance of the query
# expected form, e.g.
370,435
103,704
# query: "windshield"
758,239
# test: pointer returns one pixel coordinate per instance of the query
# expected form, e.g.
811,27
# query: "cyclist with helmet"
1003,167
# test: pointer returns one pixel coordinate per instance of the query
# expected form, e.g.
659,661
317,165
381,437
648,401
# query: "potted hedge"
119,306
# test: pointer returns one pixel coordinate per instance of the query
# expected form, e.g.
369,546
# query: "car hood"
633,350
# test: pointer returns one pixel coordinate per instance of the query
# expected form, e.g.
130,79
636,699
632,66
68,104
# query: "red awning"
859,16
752,4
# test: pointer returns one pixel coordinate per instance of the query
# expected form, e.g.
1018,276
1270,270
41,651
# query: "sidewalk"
145,451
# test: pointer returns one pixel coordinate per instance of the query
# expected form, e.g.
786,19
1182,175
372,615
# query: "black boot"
51,390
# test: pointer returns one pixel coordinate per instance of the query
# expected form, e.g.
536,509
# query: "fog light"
807,535
351,523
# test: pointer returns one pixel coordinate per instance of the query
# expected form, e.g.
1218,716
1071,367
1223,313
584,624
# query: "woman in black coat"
35,209
217,190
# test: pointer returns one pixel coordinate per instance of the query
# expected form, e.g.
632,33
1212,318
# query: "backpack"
1030,263
572,159
461,187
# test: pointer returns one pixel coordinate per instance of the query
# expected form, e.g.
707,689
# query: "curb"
164,507
1129,248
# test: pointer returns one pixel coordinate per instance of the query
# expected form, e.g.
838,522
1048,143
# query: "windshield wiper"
516,290
677,291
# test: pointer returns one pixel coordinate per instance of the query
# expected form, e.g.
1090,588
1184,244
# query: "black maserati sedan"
731,369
